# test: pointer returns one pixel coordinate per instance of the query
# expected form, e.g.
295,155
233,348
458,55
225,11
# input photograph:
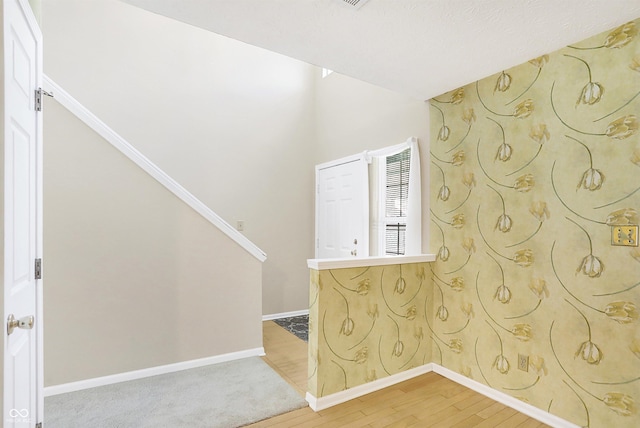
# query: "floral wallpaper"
530,169
367,323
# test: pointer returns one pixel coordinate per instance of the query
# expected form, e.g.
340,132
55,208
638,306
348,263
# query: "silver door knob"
24,322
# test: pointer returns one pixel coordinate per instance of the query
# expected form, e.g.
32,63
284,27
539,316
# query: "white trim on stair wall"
91,120
151,371
322,403
285,315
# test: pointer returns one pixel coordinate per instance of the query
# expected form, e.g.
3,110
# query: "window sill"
323,264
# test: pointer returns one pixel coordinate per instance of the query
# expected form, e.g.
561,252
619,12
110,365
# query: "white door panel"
342,206
22,214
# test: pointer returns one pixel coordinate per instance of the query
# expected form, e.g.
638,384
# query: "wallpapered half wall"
531,168
367,323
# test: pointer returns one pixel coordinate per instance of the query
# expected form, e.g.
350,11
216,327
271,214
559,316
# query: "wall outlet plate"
523,362
625,235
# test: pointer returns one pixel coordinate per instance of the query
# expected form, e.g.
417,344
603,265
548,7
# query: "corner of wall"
531,168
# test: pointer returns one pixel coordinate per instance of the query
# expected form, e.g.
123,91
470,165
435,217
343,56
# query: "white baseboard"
151,371
505,399
322,403
285,315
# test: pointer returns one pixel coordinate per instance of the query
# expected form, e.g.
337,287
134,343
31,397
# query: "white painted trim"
503,398
322,403
391,150
151,371
149,167
347,159
285,315
322,264
35,27
413,215
381,209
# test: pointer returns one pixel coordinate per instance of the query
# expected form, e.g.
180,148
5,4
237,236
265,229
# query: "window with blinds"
397,192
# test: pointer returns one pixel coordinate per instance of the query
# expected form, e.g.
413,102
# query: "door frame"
34,27
362,160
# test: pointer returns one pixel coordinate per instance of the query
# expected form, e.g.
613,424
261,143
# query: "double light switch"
624,235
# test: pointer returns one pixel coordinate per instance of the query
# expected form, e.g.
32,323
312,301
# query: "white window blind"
396,201
397,223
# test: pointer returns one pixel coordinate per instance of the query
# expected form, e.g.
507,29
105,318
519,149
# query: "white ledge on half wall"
117,141
322,264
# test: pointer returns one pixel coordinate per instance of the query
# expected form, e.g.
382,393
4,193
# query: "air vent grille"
353,4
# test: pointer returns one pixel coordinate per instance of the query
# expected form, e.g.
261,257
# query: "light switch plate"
626,236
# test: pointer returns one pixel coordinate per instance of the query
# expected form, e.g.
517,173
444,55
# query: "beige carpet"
223,395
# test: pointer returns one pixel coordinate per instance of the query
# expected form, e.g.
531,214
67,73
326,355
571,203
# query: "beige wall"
36,6
230,122
353,116
134,277
237,126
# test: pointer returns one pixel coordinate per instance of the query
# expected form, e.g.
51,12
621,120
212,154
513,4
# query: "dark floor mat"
299,326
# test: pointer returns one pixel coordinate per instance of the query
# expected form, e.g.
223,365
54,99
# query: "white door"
22,216
342,209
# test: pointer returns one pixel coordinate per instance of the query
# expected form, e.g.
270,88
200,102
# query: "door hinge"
39,425
39,99
39,93
38,269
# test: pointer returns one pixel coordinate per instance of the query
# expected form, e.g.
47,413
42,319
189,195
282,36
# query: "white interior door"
22,216
342,209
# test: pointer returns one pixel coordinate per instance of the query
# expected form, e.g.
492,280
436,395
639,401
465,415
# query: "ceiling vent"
353,4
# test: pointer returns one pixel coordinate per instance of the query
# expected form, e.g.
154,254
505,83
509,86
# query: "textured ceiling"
421,48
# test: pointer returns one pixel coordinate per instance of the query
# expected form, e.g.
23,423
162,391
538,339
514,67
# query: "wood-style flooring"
429,400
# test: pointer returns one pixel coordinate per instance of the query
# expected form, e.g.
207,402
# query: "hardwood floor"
429,400
286,354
